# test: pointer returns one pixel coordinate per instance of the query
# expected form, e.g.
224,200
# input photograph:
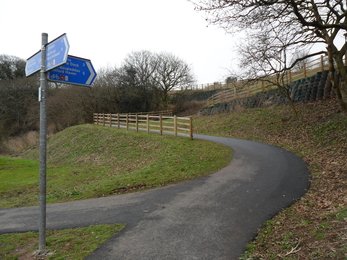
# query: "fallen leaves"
313,227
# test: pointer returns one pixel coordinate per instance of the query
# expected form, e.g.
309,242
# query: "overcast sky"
105,31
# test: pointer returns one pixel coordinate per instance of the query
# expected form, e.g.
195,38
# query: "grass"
315,226
61,244
89,161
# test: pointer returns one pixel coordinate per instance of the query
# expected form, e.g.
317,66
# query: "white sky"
105,31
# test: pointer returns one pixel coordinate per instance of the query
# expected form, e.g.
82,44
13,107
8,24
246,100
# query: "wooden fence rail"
241,89
306,70
178,126
157,113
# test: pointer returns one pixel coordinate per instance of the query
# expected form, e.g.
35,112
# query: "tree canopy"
277,29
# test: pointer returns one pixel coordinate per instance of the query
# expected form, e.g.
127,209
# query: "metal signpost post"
43,133
50,61
50,56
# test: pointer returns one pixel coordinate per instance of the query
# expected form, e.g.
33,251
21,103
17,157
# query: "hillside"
89,161
314,227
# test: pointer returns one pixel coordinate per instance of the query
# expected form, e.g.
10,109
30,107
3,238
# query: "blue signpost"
33,64
56,55
77,71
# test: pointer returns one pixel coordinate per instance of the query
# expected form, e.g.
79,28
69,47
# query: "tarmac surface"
211,217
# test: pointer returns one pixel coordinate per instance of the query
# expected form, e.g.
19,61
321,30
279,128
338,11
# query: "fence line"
157,113
308,69
243,88
178,126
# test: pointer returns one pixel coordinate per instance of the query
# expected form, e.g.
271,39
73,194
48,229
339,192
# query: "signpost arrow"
77,71
33,64
56,55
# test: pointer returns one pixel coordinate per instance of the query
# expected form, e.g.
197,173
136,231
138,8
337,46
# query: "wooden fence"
308,69
178,126
241,89
157,113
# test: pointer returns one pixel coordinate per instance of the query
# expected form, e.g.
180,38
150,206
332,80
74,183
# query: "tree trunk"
285,92
334,80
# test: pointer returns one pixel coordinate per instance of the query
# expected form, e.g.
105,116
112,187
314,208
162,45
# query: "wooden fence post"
304,70
161,124
137,122
175,125
103,119
147,123
118,120
191,128
110,120
322,62
126,121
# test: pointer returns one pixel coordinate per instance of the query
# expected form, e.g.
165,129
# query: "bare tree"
301,23
18,97
11,67
138,70
142,65
157,74
265,57
171,73
18,104
301,56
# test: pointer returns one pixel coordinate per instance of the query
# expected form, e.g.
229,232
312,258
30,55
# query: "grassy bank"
314,227
73,244
89,161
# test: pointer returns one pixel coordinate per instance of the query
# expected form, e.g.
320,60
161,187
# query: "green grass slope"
89,161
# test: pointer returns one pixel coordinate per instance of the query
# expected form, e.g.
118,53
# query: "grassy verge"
89,161
61,244
314,227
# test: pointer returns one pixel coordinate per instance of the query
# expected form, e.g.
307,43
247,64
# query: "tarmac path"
211,217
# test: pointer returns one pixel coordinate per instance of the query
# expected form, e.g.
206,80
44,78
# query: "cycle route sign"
56,55
77,71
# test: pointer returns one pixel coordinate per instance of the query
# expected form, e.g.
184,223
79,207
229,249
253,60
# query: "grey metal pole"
43,145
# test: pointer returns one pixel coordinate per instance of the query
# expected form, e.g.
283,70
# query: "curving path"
211,217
